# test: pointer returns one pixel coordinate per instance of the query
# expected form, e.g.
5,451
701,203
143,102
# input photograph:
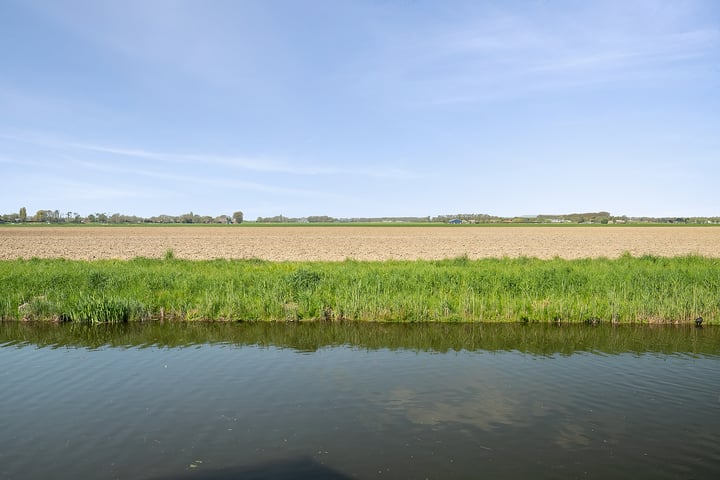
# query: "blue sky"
360,108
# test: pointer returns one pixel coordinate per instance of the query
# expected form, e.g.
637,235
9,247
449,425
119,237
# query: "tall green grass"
629,289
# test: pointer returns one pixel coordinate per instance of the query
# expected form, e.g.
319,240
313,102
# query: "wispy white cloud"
631,54
502,55
245,163
214,47
71,190
196,179
198,159
21,162
236,162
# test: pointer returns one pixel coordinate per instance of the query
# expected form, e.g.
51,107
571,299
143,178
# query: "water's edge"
540,339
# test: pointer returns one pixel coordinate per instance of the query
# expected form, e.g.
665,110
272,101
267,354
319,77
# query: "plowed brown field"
360,243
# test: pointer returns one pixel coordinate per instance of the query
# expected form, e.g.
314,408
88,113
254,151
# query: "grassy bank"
625,290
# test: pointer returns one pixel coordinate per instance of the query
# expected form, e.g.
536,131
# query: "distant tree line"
55,216
480,218
327,219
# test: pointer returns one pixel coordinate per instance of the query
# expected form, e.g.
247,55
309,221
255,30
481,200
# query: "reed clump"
628,289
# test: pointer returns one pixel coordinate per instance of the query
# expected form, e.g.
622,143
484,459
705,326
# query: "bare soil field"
359,243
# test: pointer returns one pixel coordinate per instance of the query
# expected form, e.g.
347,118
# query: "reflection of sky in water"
477,392
158,409
589,398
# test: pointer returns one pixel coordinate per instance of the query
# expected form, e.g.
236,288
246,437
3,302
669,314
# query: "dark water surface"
225,401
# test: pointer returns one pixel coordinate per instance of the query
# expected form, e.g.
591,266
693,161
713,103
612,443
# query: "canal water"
337,401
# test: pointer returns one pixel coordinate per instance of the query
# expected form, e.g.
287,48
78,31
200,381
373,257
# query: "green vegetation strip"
647,289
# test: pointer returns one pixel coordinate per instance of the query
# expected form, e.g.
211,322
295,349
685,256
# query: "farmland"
330,243
459,274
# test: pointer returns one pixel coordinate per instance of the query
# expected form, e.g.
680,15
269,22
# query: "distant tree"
23,214
237,217
320,219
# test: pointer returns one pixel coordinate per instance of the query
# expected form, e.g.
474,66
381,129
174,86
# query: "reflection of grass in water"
624,290
539,339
